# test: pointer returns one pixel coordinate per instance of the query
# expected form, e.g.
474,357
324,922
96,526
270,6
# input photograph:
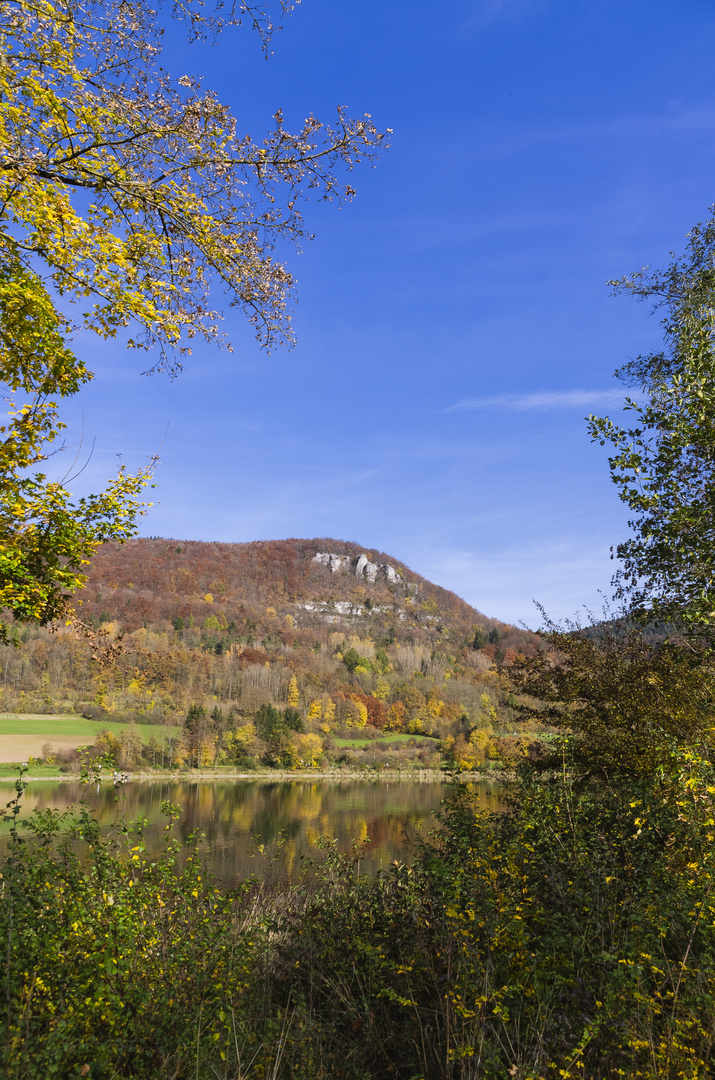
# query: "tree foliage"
623,701
664,464
127,200
44,538
176,198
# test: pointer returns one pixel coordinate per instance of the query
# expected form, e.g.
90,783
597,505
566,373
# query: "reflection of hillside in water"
286,817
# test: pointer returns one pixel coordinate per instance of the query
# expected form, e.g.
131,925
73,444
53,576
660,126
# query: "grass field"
22,735
387,739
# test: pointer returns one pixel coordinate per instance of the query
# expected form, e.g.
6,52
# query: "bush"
119,965
566,937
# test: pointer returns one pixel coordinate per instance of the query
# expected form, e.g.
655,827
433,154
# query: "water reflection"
285,818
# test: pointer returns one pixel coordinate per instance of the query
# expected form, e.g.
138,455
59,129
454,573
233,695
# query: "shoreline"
280,775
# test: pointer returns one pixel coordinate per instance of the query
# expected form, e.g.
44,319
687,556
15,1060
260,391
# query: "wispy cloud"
543,401
491,11
653,128
564,575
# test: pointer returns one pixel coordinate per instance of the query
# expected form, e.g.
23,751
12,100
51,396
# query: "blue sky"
454,323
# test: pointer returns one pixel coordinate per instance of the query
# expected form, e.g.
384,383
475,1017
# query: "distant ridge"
313,581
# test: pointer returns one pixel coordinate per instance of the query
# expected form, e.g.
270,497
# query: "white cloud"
543,401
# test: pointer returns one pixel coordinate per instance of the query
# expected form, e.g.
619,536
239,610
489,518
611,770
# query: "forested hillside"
146,581
338,636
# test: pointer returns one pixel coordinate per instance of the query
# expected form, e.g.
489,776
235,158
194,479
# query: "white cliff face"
335,611
335,562
363,567
361,564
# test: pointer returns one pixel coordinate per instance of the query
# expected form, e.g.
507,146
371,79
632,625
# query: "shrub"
121,965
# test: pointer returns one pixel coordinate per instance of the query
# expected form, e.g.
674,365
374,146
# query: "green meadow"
386,741
22,735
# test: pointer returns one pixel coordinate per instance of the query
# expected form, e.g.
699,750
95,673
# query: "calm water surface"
272,827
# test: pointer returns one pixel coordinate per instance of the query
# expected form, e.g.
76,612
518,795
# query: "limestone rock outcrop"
335,562
365,568
362,568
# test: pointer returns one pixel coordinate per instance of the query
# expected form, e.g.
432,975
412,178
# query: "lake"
268,827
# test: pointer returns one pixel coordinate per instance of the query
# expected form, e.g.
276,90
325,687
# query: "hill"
318,583
333,636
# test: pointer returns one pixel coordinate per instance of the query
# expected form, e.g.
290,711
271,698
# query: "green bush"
120,965
573,935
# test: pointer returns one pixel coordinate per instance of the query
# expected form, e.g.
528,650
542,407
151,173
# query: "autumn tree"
131,746
315,711
198,736
128,199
